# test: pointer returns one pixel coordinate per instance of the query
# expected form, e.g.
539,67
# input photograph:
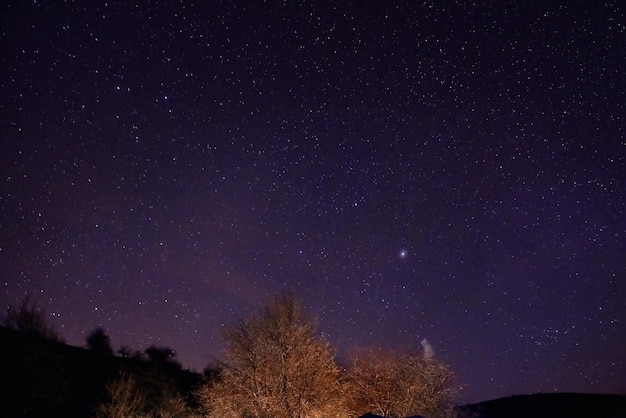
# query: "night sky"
454,171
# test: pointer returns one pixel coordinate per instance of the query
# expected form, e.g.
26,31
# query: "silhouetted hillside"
41,378
554,405
46,379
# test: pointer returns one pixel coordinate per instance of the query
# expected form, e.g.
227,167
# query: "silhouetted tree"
99,342
275,367
30,319
125,351
162,357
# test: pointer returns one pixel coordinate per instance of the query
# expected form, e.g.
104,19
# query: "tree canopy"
276,367
99,342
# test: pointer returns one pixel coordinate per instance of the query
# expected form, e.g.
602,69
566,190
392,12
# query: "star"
418,166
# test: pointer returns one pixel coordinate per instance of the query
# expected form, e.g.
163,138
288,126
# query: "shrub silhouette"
99,342
29,319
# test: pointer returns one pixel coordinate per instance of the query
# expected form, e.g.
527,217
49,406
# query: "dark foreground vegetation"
274,367
42,378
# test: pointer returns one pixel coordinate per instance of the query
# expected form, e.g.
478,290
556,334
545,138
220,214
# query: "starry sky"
425,169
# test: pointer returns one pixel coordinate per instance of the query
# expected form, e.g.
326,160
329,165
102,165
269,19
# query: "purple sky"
445,170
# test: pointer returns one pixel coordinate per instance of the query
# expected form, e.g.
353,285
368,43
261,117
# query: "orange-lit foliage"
276,367
399,385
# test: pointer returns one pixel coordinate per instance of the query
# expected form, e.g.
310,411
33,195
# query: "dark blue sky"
444,170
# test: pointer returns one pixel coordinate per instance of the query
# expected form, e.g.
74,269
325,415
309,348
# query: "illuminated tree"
275,367
393,385
136,396
125,398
